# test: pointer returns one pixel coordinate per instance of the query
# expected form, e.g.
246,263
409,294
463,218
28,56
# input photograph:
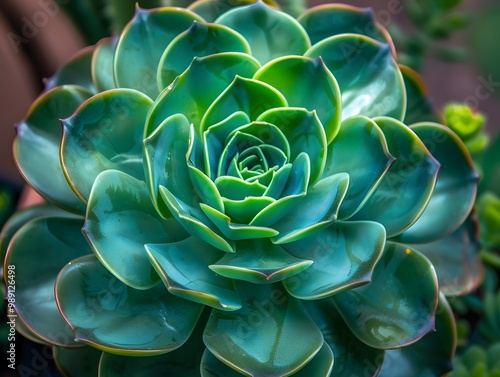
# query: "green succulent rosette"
251,200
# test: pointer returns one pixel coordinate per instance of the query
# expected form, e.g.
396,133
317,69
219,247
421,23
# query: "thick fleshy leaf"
456,186
344,256
352,356
76,71
306,83
199,40
327,20
210,10
142,43
304,132
456,259
369,79
37,144
406,188
188,94
183,267
259,261
247,95
77,362
322,202
261,338
366,167
119,206
103,74
105,133
432,355
22,217
270,33
113,317
397,308
61,240
182,362
419,106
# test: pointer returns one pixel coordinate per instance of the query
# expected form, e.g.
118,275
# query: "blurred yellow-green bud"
468,125
488,207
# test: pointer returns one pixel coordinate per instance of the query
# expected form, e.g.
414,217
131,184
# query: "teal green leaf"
22,217
188,94
430,356
105,133
119,206
236,231
406,188
195,221
205,188
307,83
237,189
270,33
22,329
304,132
37,252
419,106
366,167
455,189
184,361
344,256
113,317
456,259
164,156
103,74
142,43
247,95
37,144
214,140
322,202
397,308
259,261
320,366
368,76
261,338
199,40
210,10
76,71
243,211
352,356
77,362
327,20
183,267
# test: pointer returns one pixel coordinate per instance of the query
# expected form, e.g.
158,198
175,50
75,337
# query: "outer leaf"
455,187
366,166
75,72
270,33
397,308
344,256
430,356
261,338
419,107
188,95
142,43
103,74
322,202
110,316
352,356
369,79
259,261
35,273
406,189
199,40
183,267
306,83
119,206
37,144
247,95
456,260
77,362
327,20
210,10
104,133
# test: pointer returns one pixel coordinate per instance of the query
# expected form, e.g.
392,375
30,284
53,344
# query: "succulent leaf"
102,65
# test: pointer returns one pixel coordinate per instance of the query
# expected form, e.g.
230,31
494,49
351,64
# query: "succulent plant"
251,202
